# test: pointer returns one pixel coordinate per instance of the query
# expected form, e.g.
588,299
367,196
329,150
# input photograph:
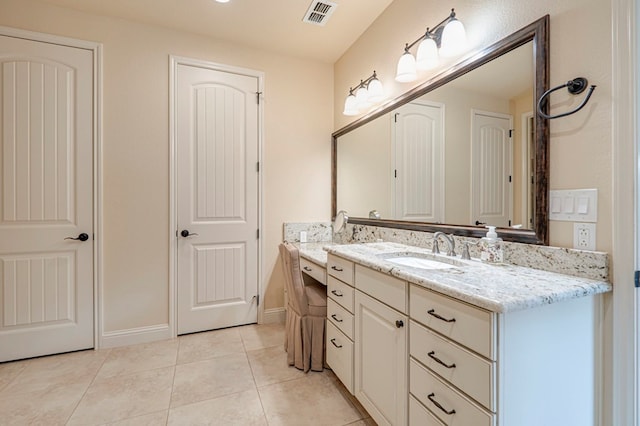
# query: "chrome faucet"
451,251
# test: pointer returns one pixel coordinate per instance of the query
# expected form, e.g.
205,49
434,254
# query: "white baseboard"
274,316
134,336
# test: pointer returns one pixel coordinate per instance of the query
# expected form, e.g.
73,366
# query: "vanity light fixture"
448,35
366,94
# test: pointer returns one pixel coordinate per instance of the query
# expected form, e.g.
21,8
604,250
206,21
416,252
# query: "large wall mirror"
462,150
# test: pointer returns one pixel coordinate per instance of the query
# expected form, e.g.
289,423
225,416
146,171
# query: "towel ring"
575,87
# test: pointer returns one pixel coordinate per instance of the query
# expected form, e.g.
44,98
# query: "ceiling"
273,25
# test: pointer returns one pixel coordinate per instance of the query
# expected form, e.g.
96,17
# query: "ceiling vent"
319,12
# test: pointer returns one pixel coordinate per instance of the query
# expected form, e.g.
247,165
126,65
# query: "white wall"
296,150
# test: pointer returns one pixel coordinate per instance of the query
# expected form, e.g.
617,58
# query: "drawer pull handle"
337,293
432,312
306,268
432,398
336,318
335,344
335,268
433,356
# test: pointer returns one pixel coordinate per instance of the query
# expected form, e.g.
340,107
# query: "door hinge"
258,97
636,278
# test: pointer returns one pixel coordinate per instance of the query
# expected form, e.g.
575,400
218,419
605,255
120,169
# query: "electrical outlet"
303,236
584,236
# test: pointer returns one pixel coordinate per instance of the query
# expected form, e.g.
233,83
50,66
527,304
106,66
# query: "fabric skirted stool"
304,338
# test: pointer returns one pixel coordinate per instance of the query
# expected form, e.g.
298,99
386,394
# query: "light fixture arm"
363,83
434,32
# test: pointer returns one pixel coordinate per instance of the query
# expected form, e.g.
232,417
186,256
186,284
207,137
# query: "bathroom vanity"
424,339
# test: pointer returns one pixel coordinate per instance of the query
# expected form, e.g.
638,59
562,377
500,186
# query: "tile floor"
236,376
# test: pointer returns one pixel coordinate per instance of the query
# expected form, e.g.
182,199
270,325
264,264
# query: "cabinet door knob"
399,323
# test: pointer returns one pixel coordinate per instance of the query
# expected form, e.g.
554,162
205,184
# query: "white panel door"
217,198
46,196
419,162
491,168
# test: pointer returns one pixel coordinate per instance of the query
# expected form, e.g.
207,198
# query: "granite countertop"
314,252
498,288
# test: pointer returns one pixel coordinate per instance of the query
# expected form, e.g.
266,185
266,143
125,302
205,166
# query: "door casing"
174,61
96,49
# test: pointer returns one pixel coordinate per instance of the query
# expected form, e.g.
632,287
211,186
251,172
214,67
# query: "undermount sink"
420,261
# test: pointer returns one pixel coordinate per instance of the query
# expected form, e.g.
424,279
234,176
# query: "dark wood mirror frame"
536,32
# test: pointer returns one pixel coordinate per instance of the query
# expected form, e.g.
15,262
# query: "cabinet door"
381,360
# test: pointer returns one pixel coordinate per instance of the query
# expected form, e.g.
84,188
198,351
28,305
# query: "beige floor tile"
153,419
262,336
9,371
270,365
49,407
199,381
121,397
136,358
207,345
311,400
51,372
242,409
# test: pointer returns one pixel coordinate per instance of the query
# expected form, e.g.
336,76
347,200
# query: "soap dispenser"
491,247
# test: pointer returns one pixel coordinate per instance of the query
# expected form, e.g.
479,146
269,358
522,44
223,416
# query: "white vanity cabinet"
381,333
413,355
340,319
529,367
452,359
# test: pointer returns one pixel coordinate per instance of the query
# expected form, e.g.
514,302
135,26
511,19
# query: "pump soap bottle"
491,247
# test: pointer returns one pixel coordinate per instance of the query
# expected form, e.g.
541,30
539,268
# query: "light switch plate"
574,205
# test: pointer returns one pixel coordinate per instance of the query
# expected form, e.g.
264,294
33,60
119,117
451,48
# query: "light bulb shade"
406,70
427,55
454,39
362,98
376,92
350,105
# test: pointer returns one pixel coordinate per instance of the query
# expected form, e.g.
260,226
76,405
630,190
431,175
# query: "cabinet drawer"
341,293
469,372
314,270
340,355
468,325
449,405
340,268
390,290
340,317
420,416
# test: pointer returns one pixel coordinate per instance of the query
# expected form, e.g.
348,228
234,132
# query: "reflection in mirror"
462,150
459,154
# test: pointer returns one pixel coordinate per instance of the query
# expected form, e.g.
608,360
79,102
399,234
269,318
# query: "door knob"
185,233
81,237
